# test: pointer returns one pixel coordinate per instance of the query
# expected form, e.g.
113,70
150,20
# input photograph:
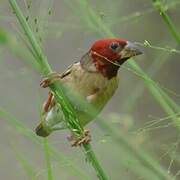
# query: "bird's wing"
66,72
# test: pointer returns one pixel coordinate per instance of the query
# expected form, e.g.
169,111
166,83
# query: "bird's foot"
85,138
49,79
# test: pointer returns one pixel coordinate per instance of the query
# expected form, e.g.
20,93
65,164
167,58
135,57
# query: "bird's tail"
42,130
51,121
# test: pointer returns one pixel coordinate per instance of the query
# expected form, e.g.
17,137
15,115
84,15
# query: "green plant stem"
158,4
70,116
47,158
139,88
26,165
163,99
18,49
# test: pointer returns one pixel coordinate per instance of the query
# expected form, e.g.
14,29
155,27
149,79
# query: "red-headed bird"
93,79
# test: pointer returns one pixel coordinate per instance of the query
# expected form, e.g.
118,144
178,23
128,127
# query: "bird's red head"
109,54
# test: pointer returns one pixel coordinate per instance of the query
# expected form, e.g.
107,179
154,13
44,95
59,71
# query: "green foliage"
135,160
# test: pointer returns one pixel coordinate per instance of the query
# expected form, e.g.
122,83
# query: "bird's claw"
49,79
45,83
85,138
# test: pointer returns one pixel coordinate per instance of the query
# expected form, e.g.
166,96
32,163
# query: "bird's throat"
108,71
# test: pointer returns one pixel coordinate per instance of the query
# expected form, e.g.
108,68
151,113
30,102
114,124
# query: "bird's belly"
97,103
92,89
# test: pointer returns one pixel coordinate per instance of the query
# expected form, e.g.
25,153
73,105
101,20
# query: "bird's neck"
99,65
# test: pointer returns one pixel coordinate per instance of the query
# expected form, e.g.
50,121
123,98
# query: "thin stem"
158,4
70,116
47,158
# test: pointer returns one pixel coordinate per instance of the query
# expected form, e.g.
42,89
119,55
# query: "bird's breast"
87,83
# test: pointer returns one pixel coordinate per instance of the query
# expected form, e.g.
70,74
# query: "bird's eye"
114,45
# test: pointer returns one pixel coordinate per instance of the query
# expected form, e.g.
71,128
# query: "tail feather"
50,121
42,131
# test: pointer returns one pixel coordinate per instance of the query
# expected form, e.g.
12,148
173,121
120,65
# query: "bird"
93,79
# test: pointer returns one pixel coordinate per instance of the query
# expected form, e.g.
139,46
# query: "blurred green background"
137,138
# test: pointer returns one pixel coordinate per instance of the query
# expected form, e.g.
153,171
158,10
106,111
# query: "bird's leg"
49,79
48,103
85,138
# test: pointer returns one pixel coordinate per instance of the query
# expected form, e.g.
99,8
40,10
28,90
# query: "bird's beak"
130,50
